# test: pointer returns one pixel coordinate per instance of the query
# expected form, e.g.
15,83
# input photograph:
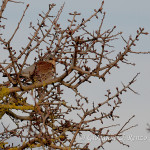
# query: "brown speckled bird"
41,70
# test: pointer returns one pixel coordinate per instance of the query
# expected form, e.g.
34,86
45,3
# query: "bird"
40,70
43,69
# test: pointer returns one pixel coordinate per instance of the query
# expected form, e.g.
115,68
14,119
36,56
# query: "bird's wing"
28,71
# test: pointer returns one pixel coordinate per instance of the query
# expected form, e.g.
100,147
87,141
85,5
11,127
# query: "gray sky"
128,16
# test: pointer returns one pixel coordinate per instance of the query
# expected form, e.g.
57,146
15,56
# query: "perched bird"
41,70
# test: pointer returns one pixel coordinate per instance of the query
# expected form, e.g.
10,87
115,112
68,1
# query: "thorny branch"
46,118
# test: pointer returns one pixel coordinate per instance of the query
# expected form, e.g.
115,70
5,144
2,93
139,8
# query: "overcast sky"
128,16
